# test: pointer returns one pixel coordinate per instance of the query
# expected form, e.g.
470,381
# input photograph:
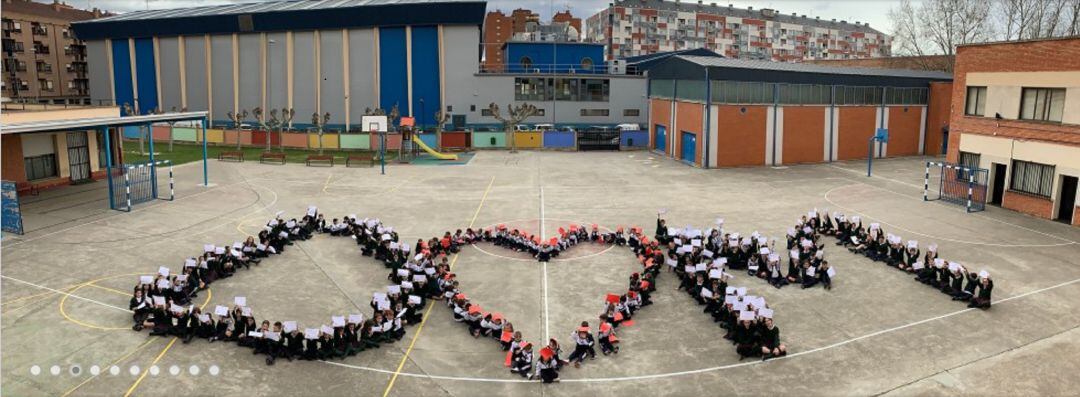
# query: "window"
531,89
40,167
472,108
526,63
594,112
976,101
566,89
1045,104
586,63
969,160
449,109
594,90
631,112
1032,178
486,112
662,88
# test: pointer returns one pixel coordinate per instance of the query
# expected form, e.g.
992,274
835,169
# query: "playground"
67,281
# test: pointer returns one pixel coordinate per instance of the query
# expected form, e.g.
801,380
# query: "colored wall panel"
97,63
331,76
856,127
251,70
11,155
455,140
133,132
741,135
937,117
184,134
638,139
195,72
161,132
355,141
215,136
559,139
295,139
496,139
146,74
567,58
393,141
303,79
121,56
690,117
659,114
393,83
329,140
169,55
803,138
361,73
528,140
277,89
905,122
425,74
430,139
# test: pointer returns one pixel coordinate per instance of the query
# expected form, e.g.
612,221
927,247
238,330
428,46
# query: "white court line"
67,294
722,367
543,235
932,236
919,187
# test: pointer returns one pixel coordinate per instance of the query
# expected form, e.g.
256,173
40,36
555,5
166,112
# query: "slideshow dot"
134,370
95,370
174,370
75,370
154,370
214,370
55,370
35,370
193,370
114,370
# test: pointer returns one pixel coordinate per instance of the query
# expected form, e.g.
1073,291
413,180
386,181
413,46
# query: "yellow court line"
80,286
113,290
107,366
427,311
209,294
327,184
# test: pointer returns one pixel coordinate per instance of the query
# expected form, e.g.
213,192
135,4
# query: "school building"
1017,114
345,58
711,111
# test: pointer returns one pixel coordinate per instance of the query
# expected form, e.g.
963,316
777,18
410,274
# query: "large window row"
753,92
561,89
1032,178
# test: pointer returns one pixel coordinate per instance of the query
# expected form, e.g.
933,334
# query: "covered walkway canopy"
103,124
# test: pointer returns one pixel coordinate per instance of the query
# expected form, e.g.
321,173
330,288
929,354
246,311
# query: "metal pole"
153,165
108,166
205,168
926,183
172,190
382,152
869,157
127,187
971,187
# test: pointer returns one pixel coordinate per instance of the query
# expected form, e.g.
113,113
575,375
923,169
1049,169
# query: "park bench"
320,159
272,157
360,159
231,156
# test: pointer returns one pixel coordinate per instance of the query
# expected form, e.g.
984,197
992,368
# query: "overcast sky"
873,11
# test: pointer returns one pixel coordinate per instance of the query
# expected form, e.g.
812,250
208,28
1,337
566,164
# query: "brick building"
641,27
43,61
1017,114
524,25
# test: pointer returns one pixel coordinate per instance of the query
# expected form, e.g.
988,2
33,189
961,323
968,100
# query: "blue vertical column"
425,74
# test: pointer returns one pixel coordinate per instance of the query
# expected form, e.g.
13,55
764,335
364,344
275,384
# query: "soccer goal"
956,184
137,184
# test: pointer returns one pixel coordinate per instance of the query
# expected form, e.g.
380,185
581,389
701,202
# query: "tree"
142,135
1037,19
440,119
515,115
286,122
319,123
267,125
938,26
237,118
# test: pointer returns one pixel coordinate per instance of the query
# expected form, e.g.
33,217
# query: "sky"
873,11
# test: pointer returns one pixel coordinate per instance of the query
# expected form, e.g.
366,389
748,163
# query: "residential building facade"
641,27
1017,115
43,62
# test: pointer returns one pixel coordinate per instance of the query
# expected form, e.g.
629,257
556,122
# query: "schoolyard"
67,281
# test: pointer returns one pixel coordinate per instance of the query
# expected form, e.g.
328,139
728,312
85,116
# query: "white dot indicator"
75,370
193,370
95,370
35,370
55,370
214,370
114,370
134,370
174,370
154,370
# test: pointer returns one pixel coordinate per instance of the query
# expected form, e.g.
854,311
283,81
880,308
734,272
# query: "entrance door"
78,156
660,141
1067,200
689,147
999,183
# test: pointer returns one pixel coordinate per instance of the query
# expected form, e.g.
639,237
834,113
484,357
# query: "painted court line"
717,368
67,294
544,266
431,303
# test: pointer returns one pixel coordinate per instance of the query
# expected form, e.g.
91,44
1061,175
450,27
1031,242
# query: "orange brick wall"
1031,205
689,117
1076,216
804,136
741,135
856,128
937,116
904,127
11,155
659,113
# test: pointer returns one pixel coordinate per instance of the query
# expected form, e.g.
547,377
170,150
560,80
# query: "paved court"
65,284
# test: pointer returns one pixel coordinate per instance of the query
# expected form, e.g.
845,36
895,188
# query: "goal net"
138,183
956,184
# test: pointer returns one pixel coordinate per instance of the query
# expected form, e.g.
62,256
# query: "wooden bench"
320,159
364,159
231,156
272,157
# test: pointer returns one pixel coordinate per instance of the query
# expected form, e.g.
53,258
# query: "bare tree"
938,26
440,119
237,119
514,116
1037,19
286,122
319,123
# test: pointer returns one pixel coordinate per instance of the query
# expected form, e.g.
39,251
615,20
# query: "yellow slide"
432,152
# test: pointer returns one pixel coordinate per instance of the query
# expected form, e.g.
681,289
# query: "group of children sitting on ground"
950,277
702,259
